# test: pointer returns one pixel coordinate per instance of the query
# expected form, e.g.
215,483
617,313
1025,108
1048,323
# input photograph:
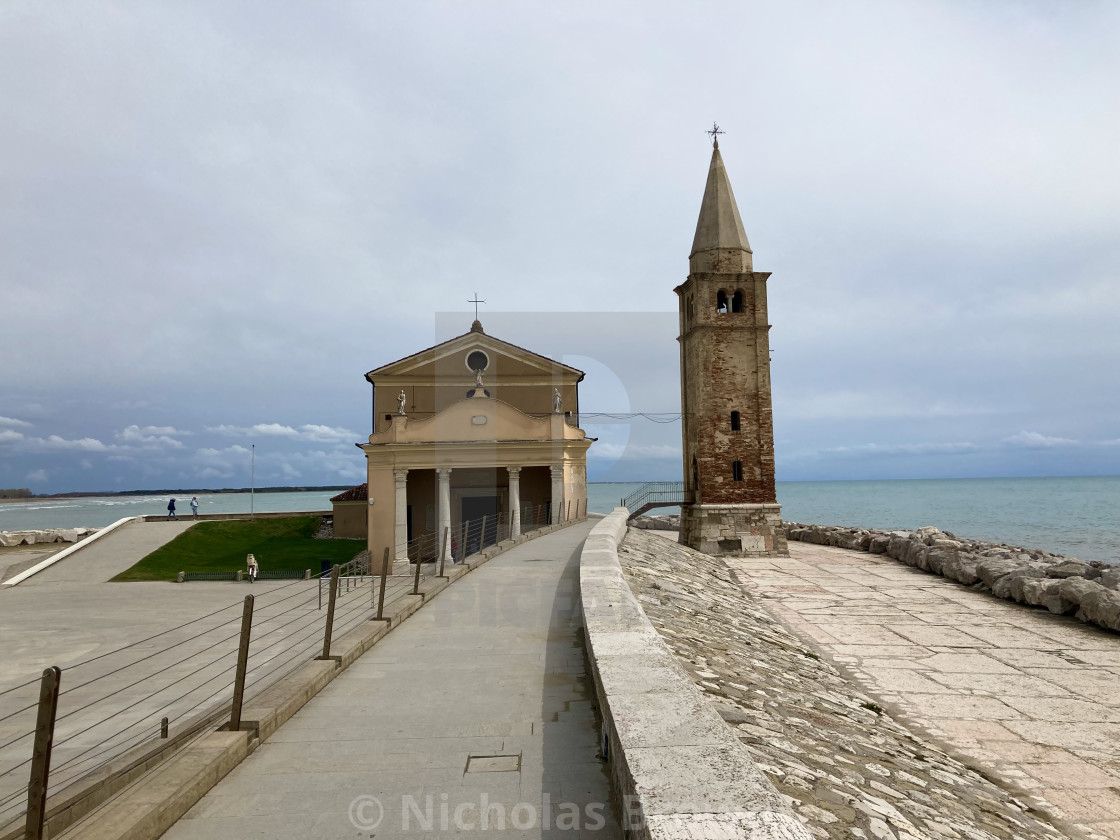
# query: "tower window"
734,421
736,470
737,301
721,301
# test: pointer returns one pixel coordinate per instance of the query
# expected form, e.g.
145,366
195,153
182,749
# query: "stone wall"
1063,585
734,530
53,535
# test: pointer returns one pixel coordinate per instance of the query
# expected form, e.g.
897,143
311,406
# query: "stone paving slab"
848,768
1030,697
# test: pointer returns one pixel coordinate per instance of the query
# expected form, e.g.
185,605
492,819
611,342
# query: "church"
473,427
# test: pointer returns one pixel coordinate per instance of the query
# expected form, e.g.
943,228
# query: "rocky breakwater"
657,523
54,535
1063,585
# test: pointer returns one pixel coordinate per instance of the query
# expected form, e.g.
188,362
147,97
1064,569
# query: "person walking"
171,511
251,562
194,506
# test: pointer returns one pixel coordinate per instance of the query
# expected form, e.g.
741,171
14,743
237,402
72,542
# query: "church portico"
428,500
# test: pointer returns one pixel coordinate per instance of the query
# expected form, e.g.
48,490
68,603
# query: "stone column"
514,501
400,513
444,511
557,493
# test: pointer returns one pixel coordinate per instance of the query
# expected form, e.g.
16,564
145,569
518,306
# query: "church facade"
727,419
473,427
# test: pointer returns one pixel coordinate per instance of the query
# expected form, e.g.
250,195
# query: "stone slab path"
850,770
480,701
1030,697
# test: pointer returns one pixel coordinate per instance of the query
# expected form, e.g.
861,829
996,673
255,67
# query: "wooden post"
329,627
163,728
384,577
41,757
242,664
443,550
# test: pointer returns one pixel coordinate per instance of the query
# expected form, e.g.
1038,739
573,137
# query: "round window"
477,360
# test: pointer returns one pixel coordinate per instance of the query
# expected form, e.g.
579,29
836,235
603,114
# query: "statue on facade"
401,400
557,402
478,378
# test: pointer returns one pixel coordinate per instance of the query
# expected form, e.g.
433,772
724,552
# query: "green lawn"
221,547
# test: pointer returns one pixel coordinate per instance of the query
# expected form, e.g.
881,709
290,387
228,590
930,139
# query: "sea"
1077,517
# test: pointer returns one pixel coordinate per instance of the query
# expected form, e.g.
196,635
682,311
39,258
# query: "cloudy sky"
216,216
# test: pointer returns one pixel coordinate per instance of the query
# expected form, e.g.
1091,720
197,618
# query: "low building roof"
354,494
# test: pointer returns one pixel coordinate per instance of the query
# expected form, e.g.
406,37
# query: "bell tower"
727,421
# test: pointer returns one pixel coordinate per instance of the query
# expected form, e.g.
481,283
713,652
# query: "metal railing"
475,535
76,728
71,732
657,494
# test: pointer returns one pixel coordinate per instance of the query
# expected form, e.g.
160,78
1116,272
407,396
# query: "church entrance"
472,510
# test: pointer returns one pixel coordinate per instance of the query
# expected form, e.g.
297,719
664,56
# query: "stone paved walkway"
480,701
849,769
1031,697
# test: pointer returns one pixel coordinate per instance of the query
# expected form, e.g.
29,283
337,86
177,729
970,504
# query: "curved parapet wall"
681,771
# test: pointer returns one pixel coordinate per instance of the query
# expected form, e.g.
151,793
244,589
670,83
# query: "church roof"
475,338
719,225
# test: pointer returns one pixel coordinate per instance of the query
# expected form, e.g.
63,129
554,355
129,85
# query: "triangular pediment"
449,359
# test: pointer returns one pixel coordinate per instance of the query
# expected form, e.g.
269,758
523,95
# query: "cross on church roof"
714,133
476,302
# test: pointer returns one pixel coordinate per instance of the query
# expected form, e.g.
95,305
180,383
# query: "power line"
652,416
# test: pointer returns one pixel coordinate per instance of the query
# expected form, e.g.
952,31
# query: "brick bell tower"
727,421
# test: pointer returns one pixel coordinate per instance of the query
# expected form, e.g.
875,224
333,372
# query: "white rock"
880,830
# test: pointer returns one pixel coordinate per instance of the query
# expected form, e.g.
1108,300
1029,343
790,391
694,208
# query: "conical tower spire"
721,241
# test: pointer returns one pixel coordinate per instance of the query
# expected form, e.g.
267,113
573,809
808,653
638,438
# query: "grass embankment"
286,543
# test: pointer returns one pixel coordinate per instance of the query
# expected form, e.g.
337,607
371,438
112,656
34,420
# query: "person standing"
194,506
251,562
171,511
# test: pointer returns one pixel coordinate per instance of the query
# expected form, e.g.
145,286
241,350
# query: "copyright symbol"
366,812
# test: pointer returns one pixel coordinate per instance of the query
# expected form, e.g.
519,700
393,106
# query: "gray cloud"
219,213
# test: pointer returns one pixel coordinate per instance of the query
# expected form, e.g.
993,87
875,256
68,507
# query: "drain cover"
493,763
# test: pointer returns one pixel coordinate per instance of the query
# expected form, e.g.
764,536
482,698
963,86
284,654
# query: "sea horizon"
1075,516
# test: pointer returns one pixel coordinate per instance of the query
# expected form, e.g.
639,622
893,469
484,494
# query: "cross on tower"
714,133
476,302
